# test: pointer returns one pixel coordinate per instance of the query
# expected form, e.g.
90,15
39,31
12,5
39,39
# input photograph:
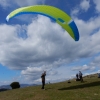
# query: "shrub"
15,85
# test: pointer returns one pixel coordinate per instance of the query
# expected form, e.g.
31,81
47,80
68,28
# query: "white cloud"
75,12
28,2
88,40
83,68
47,46
97,3
85,4
34,73
4,3
40,46
20,3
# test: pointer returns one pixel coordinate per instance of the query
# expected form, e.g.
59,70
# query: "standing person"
98,75
77,77
43,79
80,76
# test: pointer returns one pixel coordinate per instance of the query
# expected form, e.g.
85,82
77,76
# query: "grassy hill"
87,90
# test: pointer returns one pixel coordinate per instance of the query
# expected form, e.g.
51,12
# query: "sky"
31,44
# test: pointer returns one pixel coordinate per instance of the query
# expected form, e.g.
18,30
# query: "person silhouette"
43,79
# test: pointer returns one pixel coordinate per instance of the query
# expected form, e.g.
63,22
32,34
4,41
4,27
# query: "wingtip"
7,18
75,30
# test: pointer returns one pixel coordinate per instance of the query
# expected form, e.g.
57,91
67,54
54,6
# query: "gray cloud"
96,62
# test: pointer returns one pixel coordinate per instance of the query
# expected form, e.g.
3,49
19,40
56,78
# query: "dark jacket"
43,76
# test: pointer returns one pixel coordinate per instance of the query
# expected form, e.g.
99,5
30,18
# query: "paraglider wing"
56,14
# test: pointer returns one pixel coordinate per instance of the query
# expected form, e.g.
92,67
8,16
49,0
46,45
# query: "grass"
87,90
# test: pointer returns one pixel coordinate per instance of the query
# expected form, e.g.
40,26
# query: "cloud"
97,3
32,73
40,46
46,46
75,12
20,3
4,3
95,62
85,4
28,2
83,68
89,38
91,67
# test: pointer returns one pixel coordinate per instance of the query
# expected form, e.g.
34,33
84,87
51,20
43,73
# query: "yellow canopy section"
56,14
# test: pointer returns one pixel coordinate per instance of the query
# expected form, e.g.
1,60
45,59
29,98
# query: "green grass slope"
87,90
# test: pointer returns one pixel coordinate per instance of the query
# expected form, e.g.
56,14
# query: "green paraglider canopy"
63,19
